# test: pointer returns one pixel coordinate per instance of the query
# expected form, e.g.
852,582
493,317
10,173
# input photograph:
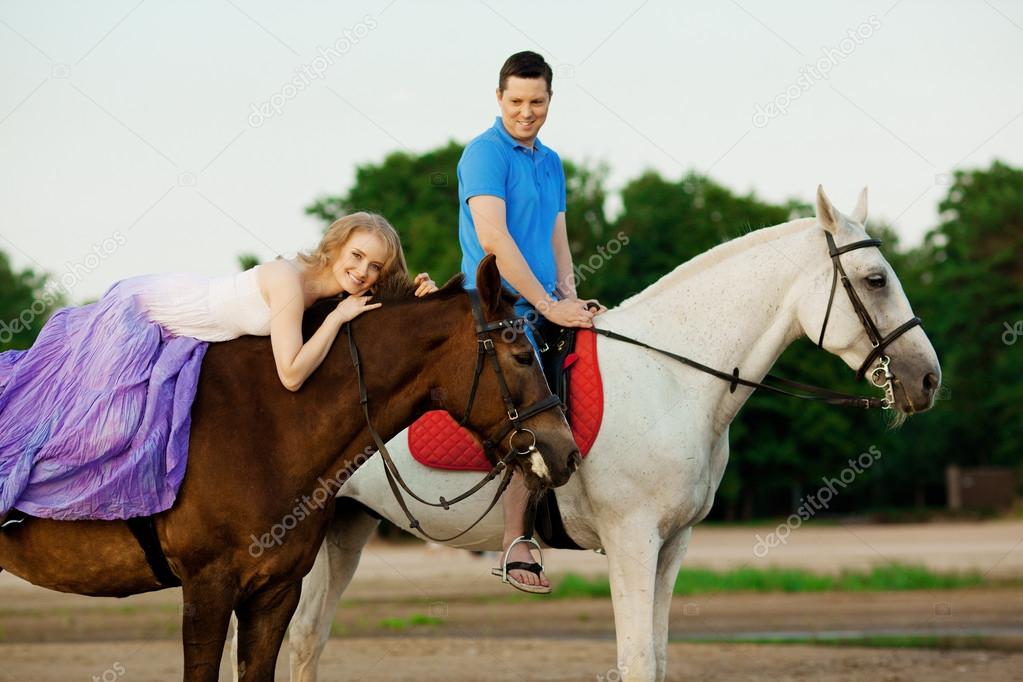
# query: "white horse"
738,305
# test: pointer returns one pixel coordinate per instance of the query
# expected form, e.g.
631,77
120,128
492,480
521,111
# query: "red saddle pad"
436,440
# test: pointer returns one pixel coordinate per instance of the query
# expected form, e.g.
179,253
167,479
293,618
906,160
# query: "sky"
155,136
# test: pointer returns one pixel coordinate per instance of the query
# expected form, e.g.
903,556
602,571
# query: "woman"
95,417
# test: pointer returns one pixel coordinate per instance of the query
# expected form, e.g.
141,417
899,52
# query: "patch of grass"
692,581
939,642
414,620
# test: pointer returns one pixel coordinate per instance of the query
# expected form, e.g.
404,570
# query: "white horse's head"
906,366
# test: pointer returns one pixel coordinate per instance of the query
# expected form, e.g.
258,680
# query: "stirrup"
504,559
535,568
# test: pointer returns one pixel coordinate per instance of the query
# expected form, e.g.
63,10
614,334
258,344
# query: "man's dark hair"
525,65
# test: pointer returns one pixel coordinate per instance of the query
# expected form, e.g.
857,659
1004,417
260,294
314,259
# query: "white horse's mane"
720,253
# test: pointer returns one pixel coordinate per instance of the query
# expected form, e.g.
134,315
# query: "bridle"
485,349
881,376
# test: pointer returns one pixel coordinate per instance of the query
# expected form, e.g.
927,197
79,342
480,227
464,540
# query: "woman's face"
359,262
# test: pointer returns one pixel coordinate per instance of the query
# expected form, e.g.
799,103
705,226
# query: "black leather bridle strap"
733,378
876,352
836,271
811,392
485,347
878,341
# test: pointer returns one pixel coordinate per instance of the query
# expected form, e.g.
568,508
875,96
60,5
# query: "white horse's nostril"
930,382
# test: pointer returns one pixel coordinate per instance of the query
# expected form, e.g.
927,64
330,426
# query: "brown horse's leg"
262,622
207,606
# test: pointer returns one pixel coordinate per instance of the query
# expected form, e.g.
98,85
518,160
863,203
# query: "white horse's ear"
827,216
859,213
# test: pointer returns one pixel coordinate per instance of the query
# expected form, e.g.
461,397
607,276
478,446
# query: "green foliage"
419,196
938,642
247,261
416,619
25,305
691,581
964,281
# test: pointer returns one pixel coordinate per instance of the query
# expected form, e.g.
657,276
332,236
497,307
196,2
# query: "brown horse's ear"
488,282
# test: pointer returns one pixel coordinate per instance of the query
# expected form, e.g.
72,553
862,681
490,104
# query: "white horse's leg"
632,548
668,562
322,588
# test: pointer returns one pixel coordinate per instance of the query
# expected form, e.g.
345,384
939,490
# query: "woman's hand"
425,284
353,306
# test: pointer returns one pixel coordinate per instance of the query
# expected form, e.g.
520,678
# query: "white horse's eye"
876,281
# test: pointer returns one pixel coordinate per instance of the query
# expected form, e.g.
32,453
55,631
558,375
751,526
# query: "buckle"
513,414
488,344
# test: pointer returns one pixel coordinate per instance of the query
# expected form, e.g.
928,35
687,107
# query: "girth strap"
144,530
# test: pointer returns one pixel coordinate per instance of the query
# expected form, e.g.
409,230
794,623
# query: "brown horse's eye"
877,281
525,359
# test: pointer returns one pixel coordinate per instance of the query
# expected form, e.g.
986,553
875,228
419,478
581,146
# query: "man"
511,189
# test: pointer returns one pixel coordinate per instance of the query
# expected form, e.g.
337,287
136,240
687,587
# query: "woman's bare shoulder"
279,276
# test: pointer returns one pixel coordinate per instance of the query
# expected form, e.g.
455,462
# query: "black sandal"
532,567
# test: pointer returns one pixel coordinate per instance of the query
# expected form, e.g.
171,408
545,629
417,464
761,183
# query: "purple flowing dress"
95,416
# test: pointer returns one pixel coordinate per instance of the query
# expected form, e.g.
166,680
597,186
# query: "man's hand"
594,306
568,313
424,285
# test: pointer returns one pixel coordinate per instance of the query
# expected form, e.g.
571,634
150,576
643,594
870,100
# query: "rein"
484,348
881,376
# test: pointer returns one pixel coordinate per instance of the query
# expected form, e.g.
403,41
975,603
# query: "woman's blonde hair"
340,230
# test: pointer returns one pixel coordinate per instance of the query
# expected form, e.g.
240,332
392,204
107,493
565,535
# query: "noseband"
881,376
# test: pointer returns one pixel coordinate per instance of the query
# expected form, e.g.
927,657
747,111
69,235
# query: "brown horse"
265,463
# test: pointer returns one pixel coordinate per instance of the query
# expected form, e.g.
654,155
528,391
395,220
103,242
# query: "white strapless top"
206,308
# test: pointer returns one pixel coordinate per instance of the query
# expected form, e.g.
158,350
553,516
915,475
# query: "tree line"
965,280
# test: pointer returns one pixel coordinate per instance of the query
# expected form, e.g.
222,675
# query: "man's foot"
523,572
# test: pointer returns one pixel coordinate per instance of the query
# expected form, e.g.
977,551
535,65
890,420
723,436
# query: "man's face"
524,105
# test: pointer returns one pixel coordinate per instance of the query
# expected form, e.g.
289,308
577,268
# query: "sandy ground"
474,628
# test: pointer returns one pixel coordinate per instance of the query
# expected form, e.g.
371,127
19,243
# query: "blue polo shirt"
532,184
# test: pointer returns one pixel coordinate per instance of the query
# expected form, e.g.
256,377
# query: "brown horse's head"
556,455
431,349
